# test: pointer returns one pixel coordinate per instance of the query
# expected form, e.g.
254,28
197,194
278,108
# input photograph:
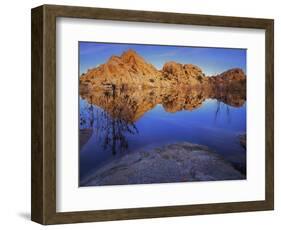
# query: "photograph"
139,114
161,114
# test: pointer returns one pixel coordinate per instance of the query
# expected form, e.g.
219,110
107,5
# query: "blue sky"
211,60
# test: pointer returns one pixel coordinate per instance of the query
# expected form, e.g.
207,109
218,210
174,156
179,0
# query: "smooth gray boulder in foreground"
180,162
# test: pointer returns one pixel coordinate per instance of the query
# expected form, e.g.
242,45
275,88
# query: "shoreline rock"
179,162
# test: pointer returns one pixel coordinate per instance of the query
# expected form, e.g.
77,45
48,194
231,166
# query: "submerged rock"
180,162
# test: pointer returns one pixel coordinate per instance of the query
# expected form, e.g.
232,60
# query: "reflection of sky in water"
214,124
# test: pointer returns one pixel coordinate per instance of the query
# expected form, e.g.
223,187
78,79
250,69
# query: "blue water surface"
213,124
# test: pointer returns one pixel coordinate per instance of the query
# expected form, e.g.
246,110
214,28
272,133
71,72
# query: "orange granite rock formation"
130,70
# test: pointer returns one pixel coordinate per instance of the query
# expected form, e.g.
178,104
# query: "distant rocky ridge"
130,70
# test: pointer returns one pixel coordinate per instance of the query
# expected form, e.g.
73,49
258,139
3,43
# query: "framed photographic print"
141,114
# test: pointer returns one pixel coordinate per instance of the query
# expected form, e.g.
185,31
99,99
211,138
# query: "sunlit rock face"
130,70
184,75
233,79
231,75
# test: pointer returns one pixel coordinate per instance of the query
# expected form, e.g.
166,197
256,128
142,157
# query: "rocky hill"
187,74
127,70
130,70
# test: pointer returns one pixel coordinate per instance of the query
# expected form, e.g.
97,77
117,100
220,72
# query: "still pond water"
119,123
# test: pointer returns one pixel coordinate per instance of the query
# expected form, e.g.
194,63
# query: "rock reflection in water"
111,114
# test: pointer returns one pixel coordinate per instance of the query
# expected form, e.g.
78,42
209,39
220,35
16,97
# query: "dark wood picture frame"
43,197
